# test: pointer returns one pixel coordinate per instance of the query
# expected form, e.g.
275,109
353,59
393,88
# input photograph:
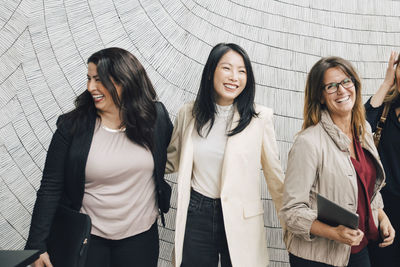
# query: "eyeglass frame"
338,84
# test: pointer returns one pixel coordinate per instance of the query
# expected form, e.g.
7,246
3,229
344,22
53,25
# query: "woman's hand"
43,261
341,234
391,69
386,229
379,96
348,236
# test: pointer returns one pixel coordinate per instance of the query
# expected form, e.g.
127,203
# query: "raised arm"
379,96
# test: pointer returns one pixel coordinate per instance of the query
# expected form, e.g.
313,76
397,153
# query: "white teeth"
230,86
343,99
98,96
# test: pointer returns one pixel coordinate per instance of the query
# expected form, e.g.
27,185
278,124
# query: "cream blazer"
240,183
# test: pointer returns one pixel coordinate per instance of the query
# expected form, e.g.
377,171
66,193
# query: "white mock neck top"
208,154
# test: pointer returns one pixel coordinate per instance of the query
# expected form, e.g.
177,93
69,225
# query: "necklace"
122,129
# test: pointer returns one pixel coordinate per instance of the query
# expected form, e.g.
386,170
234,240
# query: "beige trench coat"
319,162
241,185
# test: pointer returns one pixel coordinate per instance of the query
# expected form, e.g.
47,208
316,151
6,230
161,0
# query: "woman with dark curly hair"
107,159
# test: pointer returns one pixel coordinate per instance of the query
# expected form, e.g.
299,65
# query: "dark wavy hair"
136,103
204,108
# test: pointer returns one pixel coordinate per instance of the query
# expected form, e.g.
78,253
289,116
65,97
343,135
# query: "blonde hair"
314,89
393,93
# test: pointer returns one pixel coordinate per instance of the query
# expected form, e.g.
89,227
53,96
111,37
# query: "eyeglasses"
331,88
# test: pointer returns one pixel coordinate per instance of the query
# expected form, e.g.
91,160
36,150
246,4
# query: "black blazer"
63,180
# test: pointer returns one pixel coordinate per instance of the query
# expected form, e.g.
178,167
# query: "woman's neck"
344,124
111,120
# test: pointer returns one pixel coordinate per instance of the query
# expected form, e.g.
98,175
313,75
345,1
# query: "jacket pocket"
253,208
194,205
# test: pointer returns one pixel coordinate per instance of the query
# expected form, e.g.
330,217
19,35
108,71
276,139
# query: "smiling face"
101,96
340,103
230,78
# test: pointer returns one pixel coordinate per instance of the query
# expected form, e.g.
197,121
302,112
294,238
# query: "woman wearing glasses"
334,155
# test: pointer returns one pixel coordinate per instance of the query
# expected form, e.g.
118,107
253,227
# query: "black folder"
69,238
332,214
18,258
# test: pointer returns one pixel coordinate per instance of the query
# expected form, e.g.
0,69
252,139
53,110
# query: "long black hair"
204,108
136,103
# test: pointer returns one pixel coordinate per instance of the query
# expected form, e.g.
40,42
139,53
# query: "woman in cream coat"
221,166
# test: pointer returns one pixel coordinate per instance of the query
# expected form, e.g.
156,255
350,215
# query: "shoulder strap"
381,123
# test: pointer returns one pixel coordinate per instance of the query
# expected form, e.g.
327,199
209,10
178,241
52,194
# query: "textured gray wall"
44,46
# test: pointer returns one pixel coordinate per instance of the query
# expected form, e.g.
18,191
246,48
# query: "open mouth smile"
343,99
98,98
230,87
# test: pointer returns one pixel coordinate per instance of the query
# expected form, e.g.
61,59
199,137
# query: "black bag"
69,238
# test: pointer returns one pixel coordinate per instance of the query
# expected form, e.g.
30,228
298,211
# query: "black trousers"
140,250
360,259
205,238
388,256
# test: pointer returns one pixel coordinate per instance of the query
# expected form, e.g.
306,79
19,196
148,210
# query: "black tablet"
331,213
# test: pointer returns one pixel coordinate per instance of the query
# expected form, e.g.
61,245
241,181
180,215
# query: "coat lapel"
187,156
82,143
